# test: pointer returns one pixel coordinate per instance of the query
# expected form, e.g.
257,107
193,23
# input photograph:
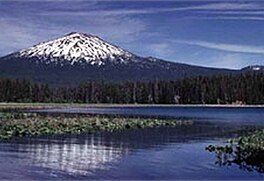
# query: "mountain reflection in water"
86,155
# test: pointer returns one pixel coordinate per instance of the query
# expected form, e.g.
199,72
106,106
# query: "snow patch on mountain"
77,47
256,67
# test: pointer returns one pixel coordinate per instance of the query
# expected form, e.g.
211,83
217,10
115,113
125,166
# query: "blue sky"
215,33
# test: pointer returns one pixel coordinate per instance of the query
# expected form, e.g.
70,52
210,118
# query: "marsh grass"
27,124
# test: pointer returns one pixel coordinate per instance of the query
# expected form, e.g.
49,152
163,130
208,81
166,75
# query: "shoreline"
6,106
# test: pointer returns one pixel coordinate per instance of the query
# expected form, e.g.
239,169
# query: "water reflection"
71,157
113,154
247,159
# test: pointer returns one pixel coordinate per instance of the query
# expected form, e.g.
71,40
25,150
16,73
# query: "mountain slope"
79,57
75,47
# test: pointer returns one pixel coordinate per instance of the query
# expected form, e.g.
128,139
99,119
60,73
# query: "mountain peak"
76,34
76,47
73,33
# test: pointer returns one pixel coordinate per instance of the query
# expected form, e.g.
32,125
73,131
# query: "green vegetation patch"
246,151
29,125
15,115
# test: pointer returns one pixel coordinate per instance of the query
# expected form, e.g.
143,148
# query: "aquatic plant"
41,125
246,151
15,115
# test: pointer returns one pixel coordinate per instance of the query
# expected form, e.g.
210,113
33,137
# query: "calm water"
240,115
160,153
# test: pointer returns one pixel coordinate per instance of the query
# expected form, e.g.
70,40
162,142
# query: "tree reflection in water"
87,154
246,151
93,154
74,158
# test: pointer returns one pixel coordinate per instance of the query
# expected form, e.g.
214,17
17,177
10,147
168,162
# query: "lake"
159,153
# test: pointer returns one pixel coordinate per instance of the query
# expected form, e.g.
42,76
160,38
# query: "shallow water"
240,115
160,153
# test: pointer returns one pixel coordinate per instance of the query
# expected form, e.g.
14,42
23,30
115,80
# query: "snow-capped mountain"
76,48
254,68
79,57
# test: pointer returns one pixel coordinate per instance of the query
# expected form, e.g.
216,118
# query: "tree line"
224,89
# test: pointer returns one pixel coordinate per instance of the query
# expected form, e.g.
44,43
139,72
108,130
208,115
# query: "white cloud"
246,18
234,12
224,47
114,12
13,36
161,50
224,6
234,61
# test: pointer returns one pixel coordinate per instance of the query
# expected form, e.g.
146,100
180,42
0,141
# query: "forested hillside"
240,89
